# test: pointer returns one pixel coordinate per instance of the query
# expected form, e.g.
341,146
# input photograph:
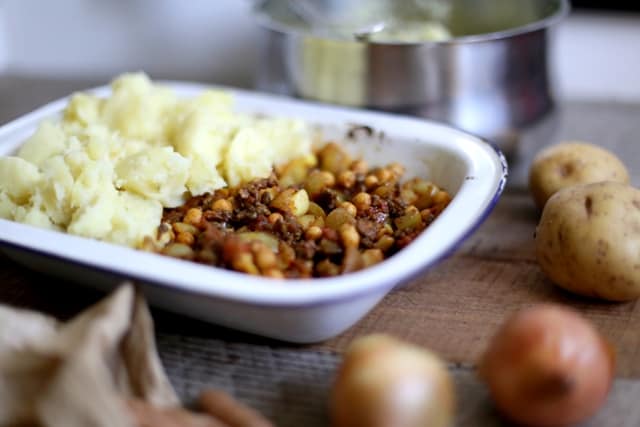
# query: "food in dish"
315,216
192,178
469,168
110,165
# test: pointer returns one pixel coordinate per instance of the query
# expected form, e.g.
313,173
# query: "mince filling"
316,216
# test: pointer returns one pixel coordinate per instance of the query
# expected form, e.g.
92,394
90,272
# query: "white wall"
210,40
597,56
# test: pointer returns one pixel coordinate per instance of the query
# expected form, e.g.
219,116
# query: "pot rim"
564,8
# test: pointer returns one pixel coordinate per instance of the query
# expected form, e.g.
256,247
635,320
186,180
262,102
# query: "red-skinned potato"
547,366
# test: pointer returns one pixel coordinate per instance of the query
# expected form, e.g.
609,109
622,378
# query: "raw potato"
572,163
588,240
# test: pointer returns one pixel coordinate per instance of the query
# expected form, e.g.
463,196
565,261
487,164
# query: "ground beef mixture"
318,216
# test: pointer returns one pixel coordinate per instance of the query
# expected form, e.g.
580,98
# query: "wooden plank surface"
287,383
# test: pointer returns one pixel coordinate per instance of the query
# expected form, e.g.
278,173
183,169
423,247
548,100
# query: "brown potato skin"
588,240
572,163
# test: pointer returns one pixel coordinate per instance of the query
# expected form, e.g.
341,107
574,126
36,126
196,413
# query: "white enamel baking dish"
292,310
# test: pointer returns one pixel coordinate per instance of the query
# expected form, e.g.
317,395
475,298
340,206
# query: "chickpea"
185,238
292,201
273,273
328,178
385,230
362,201
371,181
178,250
408,196
193,216
383,175
372,256
326,268
359,166
222,205
422,187
313,233
306,221
411,210
274,217
347,178
316,210
349,236
385,190
338,217
333,158
411,219
206,256
441,197
265,258
243,261
182,227
222,193
286,253
426,215
350,208
318,181
384,243
318,222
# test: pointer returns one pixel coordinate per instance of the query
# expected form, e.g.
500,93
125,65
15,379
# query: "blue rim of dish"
324,301
563,10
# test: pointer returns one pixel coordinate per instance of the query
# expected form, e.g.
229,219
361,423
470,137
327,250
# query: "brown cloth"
78,373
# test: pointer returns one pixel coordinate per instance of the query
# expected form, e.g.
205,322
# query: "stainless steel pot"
492,78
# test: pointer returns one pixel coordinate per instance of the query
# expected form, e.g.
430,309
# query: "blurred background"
90,41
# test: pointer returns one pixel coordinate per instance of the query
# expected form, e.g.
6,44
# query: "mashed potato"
109,166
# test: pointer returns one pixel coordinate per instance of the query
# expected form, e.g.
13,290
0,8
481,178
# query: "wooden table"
453,309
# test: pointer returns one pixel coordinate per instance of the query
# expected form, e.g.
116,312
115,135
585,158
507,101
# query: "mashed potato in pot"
108,168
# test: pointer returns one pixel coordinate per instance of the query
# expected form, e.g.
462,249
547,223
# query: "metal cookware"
492,77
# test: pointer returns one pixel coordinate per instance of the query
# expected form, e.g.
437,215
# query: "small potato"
588,240
572,163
